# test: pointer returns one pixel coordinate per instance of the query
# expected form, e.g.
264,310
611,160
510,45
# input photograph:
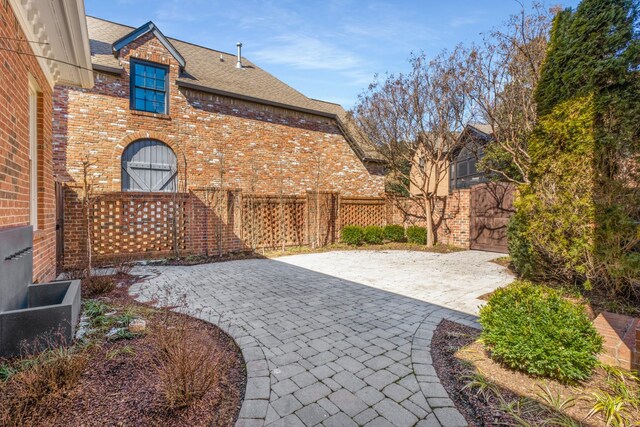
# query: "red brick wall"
621,334
209,221
452,219
454,229
14,144
224,142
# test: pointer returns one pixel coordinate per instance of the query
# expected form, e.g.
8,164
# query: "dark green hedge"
352,235
417,235
373,235
394,233
535,330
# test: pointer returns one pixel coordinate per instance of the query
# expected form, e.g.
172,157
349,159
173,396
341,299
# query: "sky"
330,49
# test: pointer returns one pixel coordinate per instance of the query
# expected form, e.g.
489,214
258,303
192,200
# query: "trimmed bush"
352,235
417,235
373,235
394,233
535,330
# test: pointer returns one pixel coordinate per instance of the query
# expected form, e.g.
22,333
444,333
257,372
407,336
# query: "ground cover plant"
535,330
176,371
373,235
489,394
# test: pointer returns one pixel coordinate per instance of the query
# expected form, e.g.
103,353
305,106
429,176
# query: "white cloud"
462,21
307,53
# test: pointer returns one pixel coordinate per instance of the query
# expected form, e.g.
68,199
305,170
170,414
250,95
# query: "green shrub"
535,330
417,235
373,235
352,235
394,233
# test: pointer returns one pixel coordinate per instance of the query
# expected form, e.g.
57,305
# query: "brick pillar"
621,339
636,362
75,229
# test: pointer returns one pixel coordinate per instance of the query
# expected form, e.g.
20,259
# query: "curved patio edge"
253,411
444,412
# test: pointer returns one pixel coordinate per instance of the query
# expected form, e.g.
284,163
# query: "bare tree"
88,198
413,121
177,208
319,163
254,224
220,202
502,75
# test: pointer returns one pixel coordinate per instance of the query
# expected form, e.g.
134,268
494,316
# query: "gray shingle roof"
204,68
213,70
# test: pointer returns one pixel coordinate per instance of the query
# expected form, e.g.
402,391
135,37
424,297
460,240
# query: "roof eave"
107,69
215,91
149,27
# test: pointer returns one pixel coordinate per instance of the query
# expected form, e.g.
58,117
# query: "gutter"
106,69
207,89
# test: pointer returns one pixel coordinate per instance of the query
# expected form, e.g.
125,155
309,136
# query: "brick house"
213,118
473,211
38,49
168,116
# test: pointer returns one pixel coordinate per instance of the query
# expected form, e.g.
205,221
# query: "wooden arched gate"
491,207
149,165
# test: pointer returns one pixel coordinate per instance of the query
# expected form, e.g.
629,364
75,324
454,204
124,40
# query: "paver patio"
337,338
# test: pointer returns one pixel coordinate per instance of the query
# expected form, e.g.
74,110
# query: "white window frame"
33,153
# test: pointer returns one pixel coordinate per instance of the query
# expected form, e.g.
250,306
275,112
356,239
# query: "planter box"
51,316
38,314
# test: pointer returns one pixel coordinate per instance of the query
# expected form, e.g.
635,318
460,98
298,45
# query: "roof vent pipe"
239,63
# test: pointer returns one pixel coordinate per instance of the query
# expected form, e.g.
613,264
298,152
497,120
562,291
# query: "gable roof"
482,128
214,71
356,139
149,27
205,69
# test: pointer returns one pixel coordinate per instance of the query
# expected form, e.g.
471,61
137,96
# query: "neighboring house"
42,44
470,215
460,171
167,115
463,169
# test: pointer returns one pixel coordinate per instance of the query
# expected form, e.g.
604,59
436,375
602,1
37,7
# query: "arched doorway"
149,165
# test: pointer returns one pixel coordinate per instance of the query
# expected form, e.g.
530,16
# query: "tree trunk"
429,214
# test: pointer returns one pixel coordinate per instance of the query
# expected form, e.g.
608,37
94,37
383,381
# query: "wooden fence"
209,221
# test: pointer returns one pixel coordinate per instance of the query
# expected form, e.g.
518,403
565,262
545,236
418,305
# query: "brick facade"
207,221
219,141
452,218
14,144
621,334
454,229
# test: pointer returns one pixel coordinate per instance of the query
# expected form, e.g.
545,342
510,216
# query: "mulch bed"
456,354
121,387
299,250
207,259
448,338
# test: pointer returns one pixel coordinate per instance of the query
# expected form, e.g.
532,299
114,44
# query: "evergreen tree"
577,220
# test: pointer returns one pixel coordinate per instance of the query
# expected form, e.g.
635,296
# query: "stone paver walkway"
339,338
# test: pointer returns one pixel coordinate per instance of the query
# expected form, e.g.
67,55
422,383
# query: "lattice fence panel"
125,223
268,220
363,211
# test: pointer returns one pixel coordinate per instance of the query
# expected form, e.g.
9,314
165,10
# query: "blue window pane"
148,88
